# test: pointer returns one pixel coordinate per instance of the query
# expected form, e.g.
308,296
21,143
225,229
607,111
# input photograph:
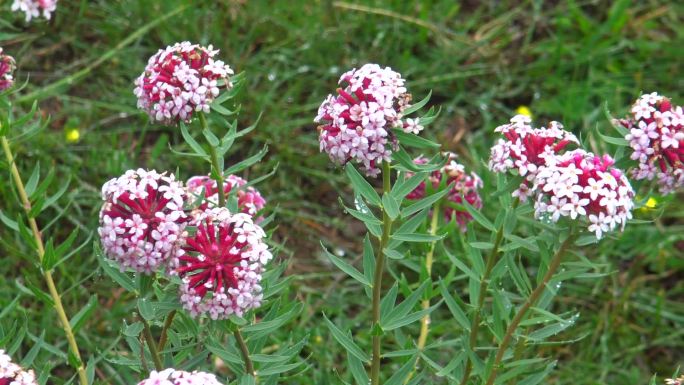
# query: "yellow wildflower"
72,135
523,110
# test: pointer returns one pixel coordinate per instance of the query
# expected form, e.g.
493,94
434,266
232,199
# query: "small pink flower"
6,71
656,136
178,377
525,149
142,220
34,8
579,184
222,266
356,123
13,374
464,186
182,79
249,199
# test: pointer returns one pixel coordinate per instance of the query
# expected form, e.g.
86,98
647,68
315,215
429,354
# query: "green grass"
480,59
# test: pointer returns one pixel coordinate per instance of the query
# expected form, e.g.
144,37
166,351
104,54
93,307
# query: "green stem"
47,275
484,285
164,333
152,345
377,279
215,165
425,321
249,366
531,301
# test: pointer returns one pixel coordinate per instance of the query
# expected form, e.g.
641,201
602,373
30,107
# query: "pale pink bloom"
35,8
179,377
13,374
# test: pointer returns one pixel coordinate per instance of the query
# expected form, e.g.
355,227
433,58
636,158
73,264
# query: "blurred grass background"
566,61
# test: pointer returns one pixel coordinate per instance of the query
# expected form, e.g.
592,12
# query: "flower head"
526,149
142,220
462,186
179,377
356,123
579,184
675,381
179,80
222,266
249,199
656,136
13,374
34,8
6,71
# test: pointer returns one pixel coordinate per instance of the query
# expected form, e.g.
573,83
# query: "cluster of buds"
6,71
13,374
581,184
179,377
249,199
656,136
142,220
525,149
35,8
222,265
179,80
462,186
356,123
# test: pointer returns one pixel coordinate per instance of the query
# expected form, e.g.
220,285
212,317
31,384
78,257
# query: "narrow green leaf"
424,203
191,141
417,106
361,185
454,308
413,140
357,370
346,341
239,166
32,182
122,279
400,376
403,187
390,205
346,267
79,319
479,218
413,237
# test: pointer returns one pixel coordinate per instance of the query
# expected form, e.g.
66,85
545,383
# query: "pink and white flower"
142,220
463,186
180,80
579,184
249,199
223,263
35,8
656,136
525,149
179,377
6,71
13,374
356,123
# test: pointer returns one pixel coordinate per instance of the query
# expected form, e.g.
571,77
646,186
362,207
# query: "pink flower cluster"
142,220
34,8
675,381
13,374
581,184
249,199
356,123
179,377
6,71
222,266
656,135
179,80
525,149
218,255
463,186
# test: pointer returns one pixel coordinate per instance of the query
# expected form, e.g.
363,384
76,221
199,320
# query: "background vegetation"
482,60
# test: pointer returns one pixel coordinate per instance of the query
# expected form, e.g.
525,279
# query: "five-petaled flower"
180,80
356,123
142,220
249,199
179,377
6,71
656,136
222,265
13,374
579,184
461,185
525,149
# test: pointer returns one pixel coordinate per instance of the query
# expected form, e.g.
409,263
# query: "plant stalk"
377,279
152,345
52,288
249,366
531,301
215,165
165,330
484,285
